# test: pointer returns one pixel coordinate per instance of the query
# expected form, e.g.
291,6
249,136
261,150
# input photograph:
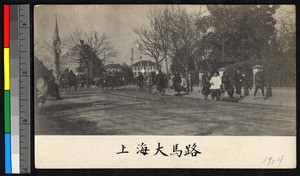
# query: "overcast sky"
116,21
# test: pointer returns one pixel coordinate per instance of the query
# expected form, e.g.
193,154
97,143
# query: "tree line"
215,36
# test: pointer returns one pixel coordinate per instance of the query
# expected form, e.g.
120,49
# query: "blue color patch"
8,168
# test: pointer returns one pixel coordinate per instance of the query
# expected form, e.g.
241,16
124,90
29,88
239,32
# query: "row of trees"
214,36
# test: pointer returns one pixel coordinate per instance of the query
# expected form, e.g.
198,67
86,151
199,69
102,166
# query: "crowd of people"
213,84
216,85
159,79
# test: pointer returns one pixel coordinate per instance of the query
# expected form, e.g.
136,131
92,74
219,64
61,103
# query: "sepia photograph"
219,70
165,86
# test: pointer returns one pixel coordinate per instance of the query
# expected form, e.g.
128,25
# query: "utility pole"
131,58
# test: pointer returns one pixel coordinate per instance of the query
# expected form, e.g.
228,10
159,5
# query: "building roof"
144,63
114,66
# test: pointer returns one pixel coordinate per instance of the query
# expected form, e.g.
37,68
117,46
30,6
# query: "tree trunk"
168,76
196,65
187,80
157,65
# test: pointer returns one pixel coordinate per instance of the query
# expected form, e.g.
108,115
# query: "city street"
130,111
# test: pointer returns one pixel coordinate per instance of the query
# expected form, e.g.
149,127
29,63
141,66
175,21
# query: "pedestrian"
238,79
183,83
215,83
149,84
206,84
259,82
161,82
53,88
72,80
177,83
140,81
226,84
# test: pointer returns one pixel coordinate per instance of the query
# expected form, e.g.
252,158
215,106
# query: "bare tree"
44,51
182,37
171,34
99,42
148,43
152,39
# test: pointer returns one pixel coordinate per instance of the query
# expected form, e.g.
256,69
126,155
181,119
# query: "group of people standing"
217,84
158,79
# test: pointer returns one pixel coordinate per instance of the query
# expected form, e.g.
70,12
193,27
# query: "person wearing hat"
238,79
259,83
206,84
226,84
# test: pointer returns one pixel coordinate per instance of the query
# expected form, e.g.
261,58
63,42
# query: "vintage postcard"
165,86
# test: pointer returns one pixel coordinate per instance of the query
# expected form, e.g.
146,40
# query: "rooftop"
114,66
144,63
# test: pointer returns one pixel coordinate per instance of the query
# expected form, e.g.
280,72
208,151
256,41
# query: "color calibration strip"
17,88
7,125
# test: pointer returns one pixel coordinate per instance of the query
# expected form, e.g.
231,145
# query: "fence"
284,79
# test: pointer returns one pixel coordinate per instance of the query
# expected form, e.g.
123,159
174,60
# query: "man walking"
259,83
177,83
238,78
161,82
226,84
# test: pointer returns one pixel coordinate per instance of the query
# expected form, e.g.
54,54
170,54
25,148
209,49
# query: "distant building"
114,67
144,66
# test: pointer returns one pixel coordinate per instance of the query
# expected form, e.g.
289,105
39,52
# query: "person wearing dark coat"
53,87
226,85
161,82
259,83
177,83
140,81
238,79
206,84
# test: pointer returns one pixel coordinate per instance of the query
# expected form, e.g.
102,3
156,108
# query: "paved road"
132,112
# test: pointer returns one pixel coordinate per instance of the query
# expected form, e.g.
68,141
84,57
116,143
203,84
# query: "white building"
145,67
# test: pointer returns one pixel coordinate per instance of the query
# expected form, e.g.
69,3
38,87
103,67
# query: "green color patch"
7,111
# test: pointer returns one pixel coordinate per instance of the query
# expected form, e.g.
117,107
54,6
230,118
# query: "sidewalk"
282,96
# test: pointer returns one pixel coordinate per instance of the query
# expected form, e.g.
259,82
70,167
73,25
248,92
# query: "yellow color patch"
6,69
